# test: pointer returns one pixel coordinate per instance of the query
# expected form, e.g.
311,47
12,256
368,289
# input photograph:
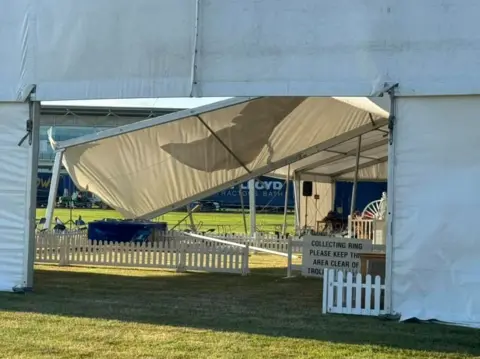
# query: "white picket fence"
48,244
172,252
295,245
350,294
361,228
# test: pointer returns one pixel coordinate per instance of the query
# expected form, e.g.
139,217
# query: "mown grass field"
221,222
80,312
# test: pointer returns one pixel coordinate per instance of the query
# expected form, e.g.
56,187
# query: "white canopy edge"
309,127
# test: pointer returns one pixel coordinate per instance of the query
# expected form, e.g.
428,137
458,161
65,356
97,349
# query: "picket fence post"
182,256
245,266
64,250
325,303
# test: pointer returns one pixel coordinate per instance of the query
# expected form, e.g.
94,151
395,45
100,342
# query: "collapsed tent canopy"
153,166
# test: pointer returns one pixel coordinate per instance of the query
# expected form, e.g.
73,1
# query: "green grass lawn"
221,222
80,312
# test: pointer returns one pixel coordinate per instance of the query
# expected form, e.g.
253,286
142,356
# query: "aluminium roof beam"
335,175
361,166
137,126
344,154
102,111
350,153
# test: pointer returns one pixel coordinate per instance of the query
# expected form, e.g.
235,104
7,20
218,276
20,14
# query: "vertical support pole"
242,204
253,209
334,193
350,225
289,258
296,192
355,179
390,203
285,207
245,264
306,214
32,199
52,195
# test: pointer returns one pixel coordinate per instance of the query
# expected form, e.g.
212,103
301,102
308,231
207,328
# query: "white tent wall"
198,155
176,48
316,209
436,250
17,196
16,53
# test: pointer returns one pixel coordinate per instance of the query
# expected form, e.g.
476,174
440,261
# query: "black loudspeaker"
307,189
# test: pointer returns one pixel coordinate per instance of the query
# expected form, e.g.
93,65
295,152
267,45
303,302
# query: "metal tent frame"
331,146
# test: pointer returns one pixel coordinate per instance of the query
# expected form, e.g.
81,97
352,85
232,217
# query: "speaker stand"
306,214
70,222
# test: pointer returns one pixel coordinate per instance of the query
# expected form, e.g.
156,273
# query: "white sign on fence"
335,253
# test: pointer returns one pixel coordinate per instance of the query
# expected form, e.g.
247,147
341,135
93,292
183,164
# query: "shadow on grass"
261,303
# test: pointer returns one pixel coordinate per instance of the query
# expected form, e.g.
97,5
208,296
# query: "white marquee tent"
171,48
